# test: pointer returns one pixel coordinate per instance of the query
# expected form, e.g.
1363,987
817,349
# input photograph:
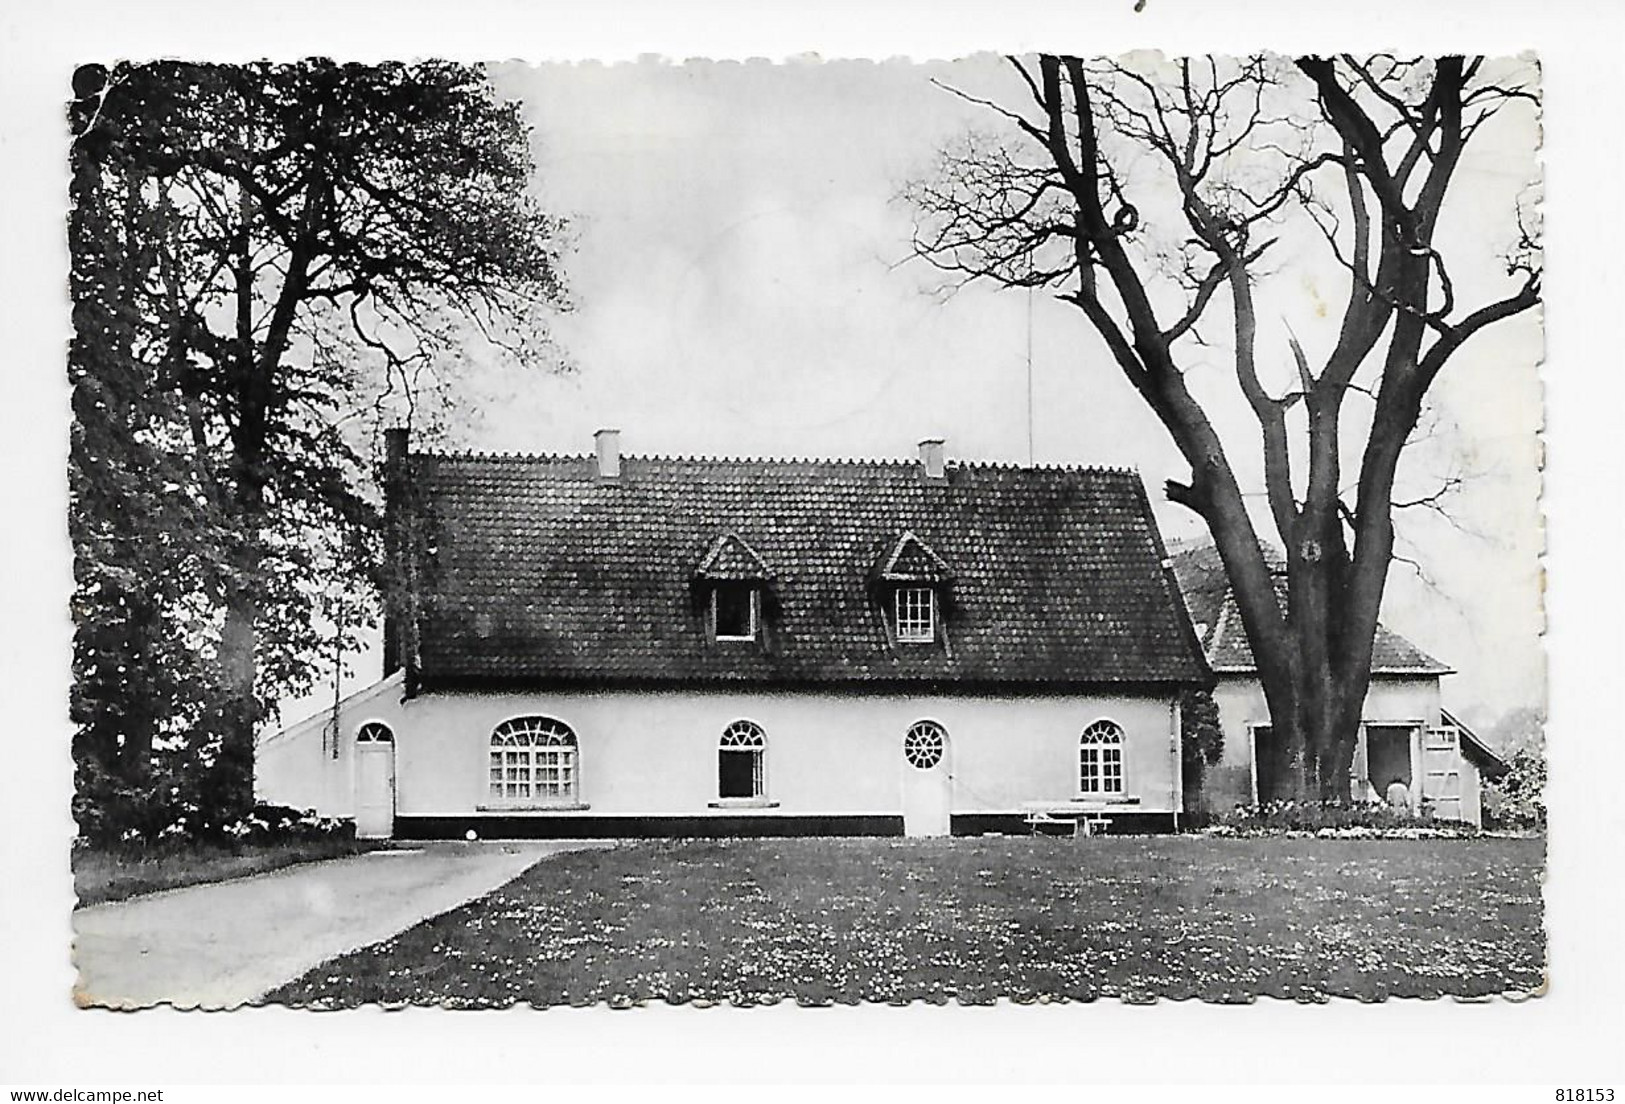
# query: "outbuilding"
1406,735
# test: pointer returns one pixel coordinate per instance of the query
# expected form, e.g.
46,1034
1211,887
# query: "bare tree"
1153,196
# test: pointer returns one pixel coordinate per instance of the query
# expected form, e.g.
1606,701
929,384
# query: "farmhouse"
612,646
1407,735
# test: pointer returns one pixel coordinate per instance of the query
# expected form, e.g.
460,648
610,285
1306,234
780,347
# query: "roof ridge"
493,454
1011,465
705,458
722,460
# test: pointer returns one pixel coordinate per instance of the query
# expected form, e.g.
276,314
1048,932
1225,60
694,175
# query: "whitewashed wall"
655,754
296,766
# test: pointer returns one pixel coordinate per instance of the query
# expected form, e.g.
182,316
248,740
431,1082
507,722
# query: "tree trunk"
140,727
241,714
1321,703
239,636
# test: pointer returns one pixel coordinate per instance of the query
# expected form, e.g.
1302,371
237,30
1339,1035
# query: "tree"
1151,195
299,225
143,543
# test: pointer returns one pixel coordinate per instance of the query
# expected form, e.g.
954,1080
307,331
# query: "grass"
820,921
102,875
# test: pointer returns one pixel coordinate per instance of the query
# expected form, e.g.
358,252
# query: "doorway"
374,781
1388,760
1266,764
927,781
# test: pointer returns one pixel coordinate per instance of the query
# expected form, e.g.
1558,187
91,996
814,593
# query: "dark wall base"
1015,824
732,827
594,827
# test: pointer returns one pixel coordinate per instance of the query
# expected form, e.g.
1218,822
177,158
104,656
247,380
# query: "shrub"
171,810
1518,798
181,799
110,809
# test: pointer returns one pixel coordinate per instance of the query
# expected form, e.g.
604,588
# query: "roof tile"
1213,608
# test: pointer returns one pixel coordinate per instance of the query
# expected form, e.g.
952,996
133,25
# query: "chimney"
396,440
932,465
609,453
396,585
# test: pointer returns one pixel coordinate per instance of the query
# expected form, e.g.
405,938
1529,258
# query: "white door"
1441,777
927,783
374,788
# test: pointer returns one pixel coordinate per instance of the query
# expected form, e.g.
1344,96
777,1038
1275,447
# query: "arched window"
533,759
740,766
374,733
1100,759
924,744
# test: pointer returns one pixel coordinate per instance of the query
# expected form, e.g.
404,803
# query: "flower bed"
269,838
1335,820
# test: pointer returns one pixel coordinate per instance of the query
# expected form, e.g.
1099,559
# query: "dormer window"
916,608
735,610
911,583
732,581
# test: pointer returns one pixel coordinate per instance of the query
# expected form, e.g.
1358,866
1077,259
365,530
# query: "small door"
374,782
927,782
1441,773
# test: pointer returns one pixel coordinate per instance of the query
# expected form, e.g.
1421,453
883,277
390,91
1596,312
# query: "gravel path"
226,944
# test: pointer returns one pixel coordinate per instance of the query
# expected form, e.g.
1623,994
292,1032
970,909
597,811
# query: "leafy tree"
1152,195
144,541
313,239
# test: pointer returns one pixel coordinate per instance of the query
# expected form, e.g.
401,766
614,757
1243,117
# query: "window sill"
535,807
742,803
1105,799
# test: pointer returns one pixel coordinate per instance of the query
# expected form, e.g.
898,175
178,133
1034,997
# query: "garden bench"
1082,822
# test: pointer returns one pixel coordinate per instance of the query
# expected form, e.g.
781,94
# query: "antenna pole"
338,671
1029,377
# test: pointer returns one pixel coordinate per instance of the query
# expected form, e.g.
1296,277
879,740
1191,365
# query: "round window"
924,744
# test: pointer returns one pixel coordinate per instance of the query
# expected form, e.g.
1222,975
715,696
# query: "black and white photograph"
681,536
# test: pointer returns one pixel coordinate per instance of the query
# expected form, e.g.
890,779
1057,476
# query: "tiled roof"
1213,609
534,569
1489,763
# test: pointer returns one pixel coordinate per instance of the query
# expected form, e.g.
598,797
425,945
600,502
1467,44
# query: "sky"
743,281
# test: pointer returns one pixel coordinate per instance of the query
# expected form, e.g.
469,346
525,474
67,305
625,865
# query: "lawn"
113,875
821,921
